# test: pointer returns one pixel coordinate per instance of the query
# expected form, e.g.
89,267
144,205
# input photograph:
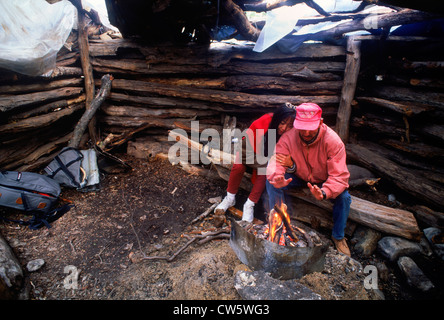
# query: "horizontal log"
131,111
172,102
379,217
39,121
282,85
47,108
403,107
134,66
234,98
44,154
418,187
217,54
136,122
416,149
8,103
402,94
247,83
401,159
41,86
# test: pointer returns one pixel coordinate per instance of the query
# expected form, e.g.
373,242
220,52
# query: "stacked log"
156,89
398,116
38,114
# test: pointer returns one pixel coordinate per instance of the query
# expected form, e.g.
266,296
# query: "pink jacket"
323,161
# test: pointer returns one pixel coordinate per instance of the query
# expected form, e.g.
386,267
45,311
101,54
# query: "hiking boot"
341,246
226,203
248,211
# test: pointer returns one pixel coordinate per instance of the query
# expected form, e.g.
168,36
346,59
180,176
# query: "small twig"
219,234
206,213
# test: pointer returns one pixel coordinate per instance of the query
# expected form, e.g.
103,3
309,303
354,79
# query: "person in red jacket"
318,159
263,133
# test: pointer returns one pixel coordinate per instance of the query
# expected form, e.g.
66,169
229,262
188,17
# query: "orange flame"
276,224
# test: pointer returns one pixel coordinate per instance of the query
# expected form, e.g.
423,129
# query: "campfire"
279,247
279,229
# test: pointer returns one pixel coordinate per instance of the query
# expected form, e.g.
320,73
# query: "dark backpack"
33,193
66,168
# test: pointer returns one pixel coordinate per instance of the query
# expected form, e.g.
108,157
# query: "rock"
35,265
365,241
11,274
415,277
259,285
429,217
435,237
383,271
394,247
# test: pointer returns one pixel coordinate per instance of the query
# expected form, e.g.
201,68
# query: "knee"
344,198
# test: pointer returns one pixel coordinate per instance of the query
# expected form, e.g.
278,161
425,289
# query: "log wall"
156,89
166,87
398,116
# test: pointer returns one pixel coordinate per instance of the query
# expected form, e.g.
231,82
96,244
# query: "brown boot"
341,246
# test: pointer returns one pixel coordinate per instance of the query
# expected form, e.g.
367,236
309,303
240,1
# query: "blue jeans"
341,205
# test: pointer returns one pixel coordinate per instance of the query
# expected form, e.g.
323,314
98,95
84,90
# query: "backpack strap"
64,167
40,219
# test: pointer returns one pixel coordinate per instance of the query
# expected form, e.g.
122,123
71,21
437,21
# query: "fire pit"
283,250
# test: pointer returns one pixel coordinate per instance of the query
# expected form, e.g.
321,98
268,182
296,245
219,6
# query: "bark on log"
131,111
348,90
417,149
87,69
222,53
38,121
30,159
89,113
40,86
234,98
405,108
413,95
47,108
133,66
8,103
282,85
405,16
419,187
240,21
388,220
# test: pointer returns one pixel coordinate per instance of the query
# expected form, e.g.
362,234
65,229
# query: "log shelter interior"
173,62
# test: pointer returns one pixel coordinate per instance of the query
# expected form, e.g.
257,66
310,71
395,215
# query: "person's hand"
279,181
284,160
315,191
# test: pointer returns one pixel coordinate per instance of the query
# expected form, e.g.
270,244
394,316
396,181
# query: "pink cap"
308,116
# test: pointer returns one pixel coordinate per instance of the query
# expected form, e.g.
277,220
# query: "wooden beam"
349,87
86,66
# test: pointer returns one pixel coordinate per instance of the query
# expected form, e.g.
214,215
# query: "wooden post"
348,89
86,65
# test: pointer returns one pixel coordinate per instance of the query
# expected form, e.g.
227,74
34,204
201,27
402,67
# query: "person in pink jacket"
318,162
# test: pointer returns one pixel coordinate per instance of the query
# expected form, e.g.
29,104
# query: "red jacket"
255,136
323,161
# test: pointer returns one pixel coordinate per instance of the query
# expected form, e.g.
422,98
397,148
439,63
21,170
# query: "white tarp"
282,21
32,32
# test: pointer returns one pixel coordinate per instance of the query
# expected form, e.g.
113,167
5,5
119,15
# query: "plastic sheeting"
282,21
31,34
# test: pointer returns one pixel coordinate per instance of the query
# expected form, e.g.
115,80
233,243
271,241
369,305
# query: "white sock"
231,196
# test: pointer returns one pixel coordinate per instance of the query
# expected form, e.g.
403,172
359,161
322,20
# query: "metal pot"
282,262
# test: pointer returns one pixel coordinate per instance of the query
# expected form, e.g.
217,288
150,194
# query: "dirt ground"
99,244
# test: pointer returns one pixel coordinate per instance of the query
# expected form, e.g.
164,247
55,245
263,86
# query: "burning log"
286,220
